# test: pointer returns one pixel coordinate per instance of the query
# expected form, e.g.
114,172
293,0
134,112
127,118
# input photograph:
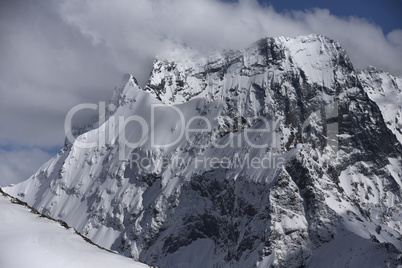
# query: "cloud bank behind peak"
136,31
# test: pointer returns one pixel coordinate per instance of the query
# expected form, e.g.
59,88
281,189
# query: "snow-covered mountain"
278,154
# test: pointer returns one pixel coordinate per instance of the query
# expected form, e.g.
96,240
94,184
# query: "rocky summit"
281,154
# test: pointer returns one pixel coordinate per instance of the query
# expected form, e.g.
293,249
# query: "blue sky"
56,54
385,13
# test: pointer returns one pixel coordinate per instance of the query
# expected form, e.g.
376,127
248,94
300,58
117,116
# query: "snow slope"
27,240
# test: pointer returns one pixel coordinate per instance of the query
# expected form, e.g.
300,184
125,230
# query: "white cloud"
135,32
395,37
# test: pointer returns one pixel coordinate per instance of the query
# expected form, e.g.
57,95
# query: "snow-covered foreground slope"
27,240
285,157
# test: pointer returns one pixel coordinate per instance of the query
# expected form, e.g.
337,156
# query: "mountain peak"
126,92
315,58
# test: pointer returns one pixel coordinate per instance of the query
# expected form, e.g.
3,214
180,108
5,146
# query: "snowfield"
27,240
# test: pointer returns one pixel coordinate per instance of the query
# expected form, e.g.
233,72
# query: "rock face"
386,91
280,154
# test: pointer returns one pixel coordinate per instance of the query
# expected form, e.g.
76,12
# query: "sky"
385,13
57,54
